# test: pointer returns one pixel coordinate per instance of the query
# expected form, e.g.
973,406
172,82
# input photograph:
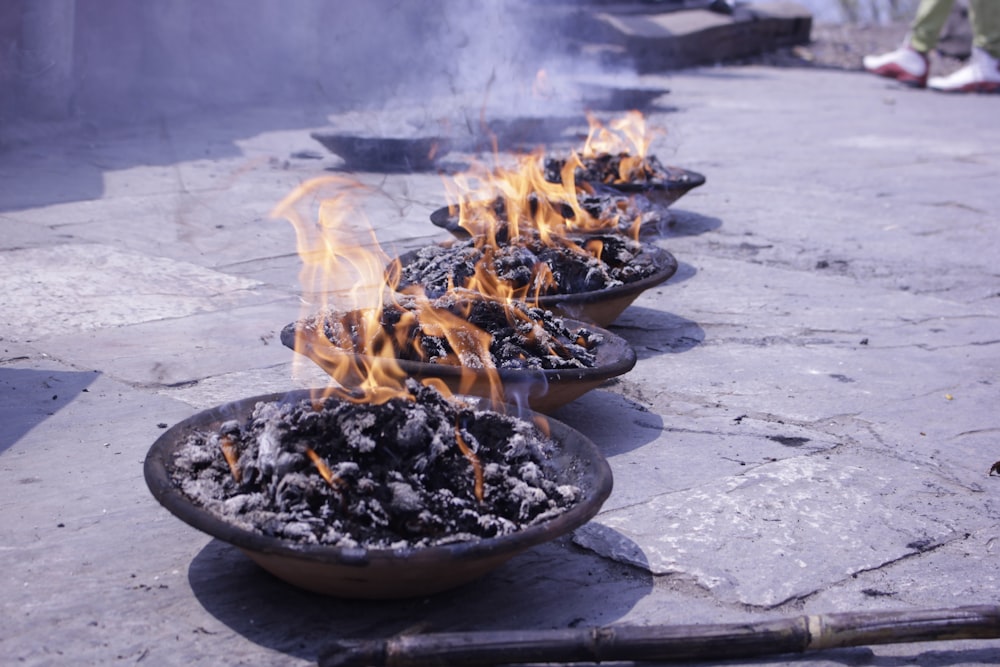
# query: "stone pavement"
809,427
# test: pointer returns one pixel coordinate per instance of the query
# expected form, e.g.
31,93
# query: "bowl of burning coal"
505,351
595,213
603,97
409,496
627,174
384,153
592,278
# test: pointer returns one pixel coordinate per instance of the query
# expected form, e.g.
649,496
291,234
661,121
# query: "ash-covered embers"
611,212
617,169
529,266
398,477
520,336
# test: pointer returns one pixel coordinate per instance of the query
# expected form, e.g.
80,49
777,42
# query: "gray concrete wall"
134,60
36,57
137,57
9,21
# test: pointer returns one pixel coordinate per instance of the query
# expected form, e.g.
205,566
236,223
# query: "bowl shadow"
684,272
653,332
30,396
614,423
557,584
681,222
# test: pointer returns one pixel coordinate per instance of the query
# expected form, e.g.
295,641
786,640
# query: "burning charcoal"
574,271
520,336
377,475
388,523
618,174
609,210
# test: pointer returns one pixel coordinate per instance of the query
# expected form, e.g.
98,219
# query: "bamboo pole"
668,643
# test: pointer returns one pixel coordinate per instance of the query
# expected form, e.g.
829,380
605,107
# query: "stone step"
663,40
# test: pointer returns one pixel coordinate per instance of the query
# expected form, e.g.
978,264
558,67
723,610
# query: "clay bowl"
376,573
663,192
386,154
601,97
600,307
542,390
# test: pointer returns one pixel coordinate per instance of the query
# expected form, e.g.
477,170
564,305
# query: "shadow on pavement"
28,397
613,422
655,332
70,166
684,272
687,223
547,587
863,655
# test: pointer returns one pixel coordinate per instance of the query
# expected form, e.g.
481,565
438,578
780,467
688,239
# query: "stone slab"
671,40
77,509
174,352
800,517
674,453
910,581
83,287
221,388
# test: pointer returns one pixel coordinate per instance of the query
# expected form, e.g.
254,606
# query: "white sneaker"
980,75
905,64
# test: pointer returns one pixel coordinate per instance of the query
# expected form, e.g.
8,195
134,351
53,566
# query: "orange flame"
520,200
628,134
354,340
328,262
527,202
628,137
504,206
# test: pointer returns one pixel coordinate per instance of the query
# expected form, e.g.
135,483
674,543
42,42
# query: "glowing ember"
231,457
322,468
477,467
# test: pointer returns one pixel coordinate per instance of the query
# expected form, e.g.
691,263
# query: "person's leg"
909,64
925,31
982,73
984,15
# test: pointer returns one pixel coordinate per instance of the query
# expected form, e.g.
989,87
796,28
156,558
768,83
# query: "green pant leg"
931,17
985,18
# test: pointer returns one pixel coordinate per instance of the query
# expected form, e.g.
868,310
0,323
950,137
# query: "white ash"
610,210
628,213
399,478
526,264
608,169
